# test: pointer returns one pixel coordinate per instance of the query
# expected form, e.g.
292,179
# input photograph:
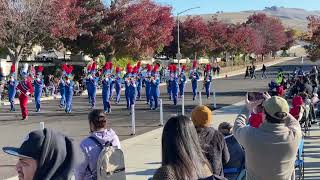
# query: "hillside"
291,17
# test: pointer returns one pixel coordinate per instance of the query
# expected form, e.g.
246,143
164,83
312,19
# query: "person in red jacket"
24,89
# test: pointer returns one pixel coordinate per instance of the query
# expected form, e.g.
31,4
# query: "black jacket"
57,159
214,147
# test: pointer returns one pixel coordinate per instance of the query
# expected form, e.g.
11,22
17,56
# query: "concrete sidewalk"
143,153
222,75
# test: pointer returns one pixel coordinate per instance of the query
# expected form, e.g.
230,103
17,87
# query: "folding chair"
299,163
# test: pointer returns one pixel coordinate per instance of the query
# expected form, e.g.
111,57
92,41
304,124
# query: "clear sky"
212,6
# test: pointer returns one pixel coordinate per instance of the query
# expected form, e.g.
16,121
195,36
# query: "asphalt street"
228,91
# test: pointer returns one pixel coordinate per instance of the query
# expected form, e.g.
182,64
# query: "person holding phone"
273,144
256,116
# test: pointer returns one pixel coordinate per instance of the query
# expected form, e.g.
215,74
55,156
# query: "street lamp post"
179,55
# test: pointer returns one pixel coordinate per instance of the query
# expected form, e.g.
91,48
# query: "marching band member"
68,88
92,84
147,81
168,81
62,87
25,88
182,80
88,81
118,84
174,84
155,91
12,85
112,76
139,80
130,87
106,86
207,80
194,76
38,84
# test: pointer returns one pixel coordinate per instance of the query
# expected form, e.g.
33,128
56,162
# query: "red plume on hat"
64,67
40,69
106,66
149,67
117,69
195,64
110,65
156,68
184,67
69,69
13,68
93,66
135,69
129,68
89,67
139,64
174,68
208,67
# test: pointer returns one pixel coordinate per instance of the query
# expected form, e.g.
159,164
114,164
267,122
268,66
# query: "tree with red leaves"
25,23
91,38
219,34
313,38
143,28
123,29
194,36
245,40
271,30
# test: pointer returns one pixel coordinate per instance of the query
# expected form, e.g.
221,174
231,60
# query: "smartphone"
255,96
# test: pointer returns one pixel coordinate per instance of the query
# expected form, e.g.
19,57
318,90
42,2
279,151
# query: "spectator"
44,154
182,157
253,72
211,140
218,69
236,152
264,69
247,74
297,108
256,119
280,91
91,150
271,149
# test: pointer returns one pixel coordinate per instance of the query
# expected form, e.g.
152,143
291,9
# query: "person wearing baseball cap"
211,140
44,154
274,144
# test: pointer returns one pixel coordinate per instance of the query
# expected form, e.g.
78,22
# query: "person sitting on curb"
100,131
237,156
271,149
44,154
211,140
182,156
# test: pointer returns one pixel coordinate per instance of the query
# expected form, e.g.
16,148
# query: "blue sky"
212,6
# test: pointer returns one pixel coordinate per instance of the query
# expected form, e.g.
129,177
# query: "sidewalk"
222,75
143,153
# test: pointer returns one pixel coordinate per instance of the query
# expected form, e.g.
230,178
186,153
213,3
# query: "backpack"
110,164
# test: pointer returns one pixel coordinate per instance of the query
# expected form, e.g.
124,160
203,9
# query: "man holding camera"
270,149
